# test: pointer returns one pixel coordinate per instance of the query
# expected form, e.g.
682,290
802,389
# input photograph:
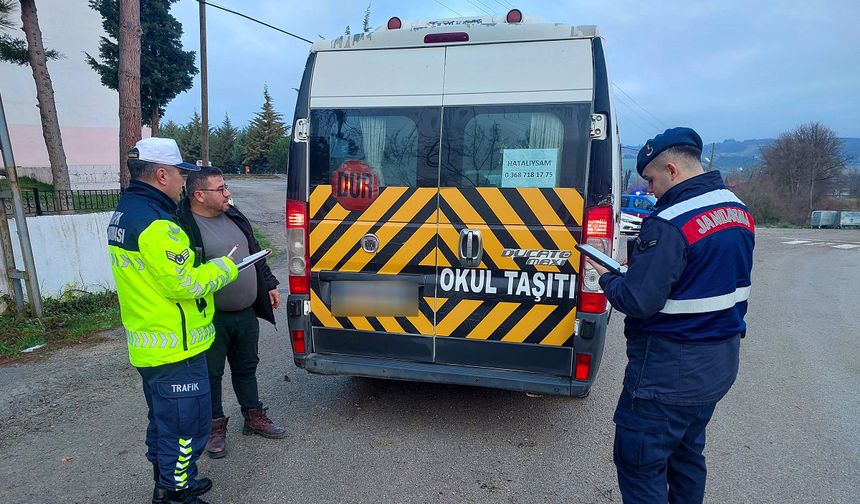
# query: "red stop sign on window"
355,185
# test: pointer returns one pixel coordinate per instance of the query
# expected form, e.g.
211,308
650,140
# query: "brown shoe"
258,423
217,445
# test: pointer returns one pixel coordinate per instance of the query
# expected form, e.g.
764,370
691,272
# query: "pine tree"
266,129
191,147
172,130
222,144
238,155
14,50
279,155
32,52
165,69
365,24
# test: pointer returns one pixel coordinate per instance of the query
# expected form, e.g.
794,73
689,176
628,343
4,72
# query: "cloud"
731,68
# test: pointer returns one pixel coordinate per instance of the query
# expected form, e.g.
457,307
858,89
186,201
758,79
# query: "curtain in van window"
547,132
515,146
373,143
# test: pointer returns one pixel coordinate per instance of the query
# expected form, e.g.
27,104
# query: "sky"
730,69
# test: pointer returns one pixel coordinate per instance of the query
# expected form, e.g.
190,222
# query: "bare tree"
130,121
804,163
38,60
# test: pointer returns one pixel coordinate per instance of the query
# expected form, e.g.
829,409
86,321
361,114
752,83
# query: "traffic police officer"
685,296
166,305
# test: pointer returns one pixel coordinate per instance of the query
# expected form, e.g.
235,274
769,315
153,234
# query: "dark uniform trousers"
180,416
237,334
656,444
670,392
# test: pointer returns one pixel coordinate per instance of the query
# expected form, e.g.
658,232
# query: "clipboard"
602,259
253,258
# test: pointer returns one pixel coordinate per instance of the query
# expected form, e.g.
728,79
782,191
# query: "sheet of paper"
251,259
529,167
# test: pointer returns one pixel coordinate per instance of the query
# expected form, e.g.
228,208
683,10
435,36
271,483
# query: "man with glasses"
215,228
164,288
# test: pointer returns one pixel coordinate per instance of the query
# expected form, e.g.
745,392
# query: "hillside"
732,154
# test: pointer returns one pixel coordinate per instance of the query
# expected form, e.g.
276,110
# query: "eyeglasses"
223,189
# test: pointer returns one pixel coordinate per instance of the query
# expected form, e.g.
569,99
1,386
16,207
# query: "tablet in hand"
601,258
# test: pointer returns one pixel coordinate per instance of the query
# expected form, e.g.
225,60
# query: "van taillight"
298,337
583,366
597,231
298,260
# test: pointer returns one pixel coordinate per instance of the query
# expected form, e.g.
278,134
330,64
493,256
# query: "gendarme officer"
166,304
685,296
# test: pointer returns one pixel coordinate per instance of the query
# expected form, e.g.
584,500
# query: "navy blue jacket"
685,293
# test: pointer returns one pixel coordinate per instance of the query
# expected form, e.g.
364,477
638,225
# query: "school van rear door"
444,204
373,185
514,158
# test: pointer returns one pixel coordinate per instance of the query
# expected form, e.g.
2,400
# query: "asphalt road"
72,423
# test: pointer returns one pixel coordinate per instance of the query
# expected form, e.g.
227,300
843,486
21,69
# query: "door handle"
471,247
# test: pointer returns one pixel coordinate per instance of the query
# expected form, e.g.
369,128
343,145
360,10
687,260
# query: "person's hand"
275,298
600,269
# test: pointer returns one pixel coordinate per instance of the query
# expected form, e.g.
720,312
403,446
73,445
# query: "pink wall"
83,146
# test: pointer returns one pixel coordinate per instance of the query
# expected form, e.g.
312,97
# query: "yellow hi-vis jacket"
165,300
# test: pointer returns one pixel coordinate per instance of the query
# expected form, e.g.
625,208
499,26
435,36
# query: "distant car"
634,208
630,224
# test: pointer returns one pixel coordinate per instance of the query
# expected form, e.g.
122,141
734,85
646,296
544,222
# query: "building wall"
82,177
88,112
70,252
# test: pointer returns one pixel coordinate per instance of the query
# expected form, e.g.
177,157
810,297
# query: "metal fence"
40,202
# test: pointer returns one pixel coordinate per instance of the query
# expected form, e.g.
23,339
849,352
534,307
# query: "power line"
626,102
633,120
473,4
639,115
487,6
640,106
450,9
255,20
506,5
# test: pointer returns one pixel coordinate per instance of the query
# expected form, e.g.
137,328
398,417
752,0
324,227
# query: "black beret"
672,137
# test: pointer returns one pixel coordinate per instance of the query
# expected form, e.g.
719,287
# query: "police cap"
672,137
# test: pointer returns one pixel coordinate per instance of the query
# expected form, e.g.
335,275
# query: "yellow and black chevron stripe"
404,220
418,229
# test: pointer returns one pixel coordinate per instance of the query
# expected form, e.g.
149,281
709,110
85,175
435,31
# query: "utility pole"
204,87
711,159
13,274
129,83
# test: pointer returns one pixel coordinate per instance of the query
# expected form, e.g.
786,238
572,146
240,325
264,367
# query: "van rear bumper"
519,381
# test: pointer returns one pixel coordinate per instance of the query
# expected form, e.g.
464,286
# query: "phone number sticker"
529,167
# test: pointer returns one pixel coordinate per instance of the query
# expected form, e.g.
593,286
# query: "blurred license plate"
374,299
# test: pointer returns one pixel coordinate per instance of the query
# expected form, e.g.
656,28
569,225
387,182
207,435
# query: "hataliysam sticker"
355,185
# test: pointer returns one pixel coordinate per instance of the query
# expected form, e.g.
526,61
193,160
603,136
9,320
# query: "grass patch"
26,183
265,243
781,225
67,320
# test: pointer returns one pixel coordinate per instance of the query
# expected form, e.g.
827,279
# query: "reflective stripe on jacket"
689,272
166,303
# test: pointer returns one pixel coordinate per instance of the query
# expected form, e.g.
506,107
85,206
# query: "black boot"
184,496
195,486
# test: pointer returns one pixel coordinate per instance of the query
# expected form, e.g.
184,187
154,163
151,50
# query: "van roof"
481,29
